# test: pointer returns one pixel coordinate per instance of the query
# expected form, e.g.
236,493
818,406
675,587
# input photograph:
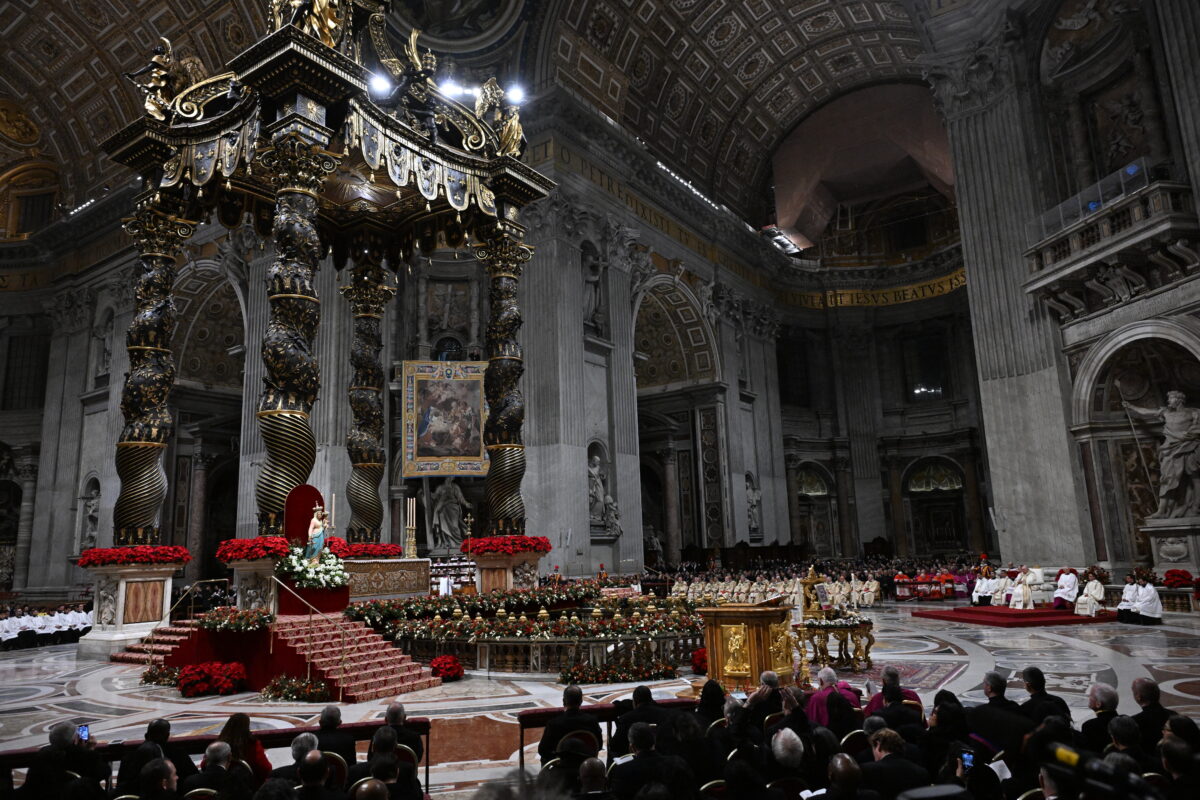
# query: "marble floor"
474,734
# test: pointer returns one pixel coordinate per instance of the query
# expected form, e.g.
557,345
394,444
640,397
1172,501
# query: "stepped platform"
1004,617
357,663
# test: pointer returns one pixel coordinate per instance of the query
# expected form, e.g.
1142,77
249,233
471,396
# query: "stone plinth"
254,583
504,571
387,578
315,600
1175,543
131,600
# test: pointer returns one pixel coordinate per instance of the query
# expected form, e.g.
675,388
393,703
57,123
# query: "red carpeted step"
1003,617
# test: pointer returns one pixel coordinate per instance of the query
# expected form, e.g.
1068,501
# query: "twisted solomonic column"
369,291
503,256
293,379
148,422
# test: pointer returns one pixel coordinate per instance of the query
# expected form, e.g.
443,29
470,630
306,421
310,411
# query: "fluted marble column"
202,461
1178,22
670,461
27,470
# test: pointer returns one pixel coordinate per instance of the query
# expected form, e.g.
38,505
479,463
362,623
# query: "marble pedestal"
255,585
504,572
131,600
1175,543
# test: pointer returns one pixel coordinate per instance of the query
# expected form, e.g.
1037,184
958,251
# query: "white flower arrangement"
844,621
327,573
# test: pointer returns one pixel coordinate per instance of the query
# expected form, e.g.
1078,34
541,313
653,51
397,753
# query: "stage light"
380,84
515,94
452,90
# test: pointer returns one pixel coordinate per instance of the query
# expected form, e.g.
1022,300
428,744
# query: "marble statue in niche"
449,528
612,517
593,283
753,505
596,492
1178,456
91,518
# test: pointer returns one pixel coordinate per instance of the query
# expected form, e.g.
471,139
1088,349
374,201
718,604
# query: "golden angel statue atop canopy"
321,19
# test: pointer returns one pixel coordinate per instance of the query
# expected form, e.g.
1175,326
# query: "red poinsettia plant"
505,545
700,661
138,554
447,668
254,549
1178,579
373,550
212,677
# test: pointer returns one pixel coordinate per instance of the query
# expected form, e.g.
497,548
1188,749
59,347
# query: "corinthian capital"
296,165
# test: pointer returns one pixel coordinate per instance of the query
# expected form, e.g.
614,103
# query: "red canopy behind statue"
298,512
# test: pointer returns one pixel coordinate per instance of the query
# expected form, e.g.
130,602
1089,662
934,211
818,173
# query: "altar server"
984,588
1068,588
1022,594
1147,604
1127,608
1091,598
8,630
1000,589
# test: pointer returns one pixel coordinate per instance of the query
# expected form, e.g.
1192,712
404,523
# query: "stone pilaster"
27,471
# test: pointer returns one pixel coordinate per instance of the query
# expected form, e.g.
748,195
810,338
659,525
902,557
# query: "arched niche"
817,507
936,505
87,526
674,341
210,333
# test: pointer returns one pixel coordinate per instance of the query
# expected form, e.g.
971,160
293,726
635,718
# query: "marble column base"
131,600
504,572
254,584
1175,543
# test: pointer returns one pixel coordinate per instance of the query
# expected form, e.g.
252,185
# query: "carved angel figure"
321,19
488,101
161,84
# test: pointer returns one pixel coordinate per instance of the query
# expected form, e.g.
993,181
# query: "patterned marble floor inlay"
474,734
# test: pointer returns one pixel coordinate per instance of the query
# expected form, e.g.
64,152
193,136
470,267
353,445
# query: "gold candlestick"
410,540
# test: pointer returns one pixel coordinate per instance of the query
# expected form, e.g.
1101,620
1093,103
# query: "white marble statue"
596,493
448,506
1178,456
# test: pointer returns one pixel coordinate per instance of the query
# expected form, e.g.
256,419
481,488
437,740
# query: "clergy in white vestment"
1091,598
1022,595
982,595
1067,590
1127,608
1000,587
1148,605
870,592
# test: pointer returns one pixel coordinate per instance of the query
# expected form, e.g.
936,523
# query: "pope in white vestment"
1090,599
1022,595
1067,590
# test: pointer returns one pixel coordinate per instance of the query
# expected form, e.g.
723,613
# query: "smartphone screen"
968,759
84,733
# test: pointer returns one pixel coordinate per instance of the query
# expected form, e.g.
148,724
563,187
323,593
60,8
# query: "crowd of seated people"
324,766
840,742
23,627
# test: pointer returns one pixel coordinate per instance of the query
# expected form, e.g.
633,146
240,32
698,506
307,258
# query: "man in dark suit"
644,710
395,716
845,776
765,700
399,778
649,766
332,740
302,745
314,771
383,745
1153,716
1102,700
999,722
570,720
890,773
157,781
216,775
1041,704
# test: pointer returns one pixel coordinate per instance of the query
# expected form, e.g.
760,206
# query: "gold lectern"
745,639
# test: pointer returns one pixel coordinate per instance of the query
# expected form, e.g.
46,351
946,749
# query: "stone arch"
675,341
919,464
210,331
1181,331
817,509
